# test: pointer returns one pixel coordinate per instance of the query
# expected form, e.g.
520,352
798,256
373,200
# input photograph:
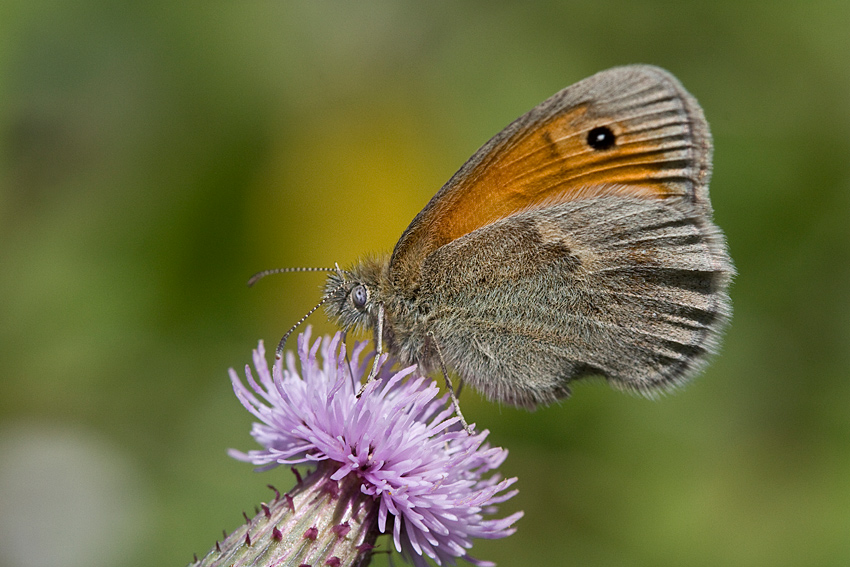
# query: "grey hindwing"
630,289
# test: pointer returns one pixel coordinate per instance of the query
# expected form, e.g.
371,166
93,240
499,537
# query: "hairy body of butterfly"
577,242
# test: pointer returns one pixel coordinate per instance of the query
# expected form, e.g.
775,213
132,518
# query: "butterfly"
578,242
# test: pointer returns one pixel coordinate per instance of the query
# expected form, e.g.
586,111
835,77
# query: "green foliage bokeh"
154,155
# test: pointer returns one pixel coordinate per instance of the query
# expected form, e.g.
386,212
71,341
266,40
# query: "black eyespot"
359,296
601,138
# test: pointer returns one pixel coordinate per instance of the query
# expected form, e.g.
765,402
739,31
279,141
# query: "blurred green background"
153,155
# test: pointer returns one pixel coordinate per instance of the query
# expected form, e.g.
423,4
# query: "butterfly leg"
373,374
344,340
449,386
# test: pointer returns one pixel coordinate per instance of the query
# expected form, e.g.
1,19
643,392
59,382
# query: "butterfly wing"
661,149
627,288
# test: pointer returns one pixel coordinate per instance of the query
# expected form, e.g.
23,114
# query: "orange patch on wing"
552,164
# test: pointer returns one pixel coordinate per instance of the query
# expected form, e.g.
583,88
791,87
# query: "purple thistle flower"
415,466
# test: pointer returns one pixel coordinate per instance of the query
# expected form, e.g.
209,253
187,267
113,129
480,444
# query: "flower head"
398,440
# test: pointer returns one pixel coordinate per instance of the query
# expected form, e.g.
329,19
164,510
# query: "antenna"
260,275
278,352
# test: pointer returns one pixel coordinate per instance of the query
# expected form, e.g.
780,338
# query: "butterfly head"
353,295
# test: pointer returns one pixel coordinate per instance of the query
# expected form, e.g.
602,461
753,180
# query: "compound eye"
359,296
